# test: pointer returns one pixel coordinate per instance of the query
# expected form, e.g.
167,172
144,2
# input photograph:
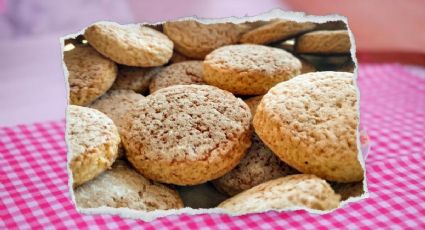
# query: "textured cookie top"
116,103
195,39
88,129
253,58
276,30
133,78
122,187
186,123
90,74
182,73
300,190
132,45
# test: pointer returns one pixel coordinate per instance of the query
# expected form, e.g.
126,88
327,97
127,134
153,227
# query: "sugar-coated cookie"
93,141
276,30
187,134
311,122
122,187
324,42
90,74
182,73
295,191
131,45
249,69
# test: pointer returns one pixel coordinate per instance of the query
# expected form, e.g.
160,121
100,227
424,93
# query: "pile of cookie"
262,114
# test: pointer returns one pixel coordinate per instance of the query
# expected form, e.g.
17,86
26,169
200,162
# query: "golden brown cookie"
182,73
249,69
311,122
348,190
134,78
187,134
122,187
324,42
131,45
196,40
93,141
276,30
295,191
89,74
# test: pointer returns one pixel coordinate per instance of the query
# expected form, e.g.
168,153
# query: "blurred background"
32,85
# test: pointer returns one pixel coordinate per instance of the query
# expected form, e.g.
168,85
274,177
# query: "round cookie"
182,73
93,141
324,42
347,190
276,30
259,165
132,45
295,191
249,69
310,122
196,40
134,78
122,187
187,134
116,103
90,74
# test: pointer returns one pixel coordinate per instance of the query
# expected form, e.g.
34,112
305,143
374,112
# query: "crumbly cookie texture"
131,45
249,69
187,134
276,30
196,40
348,190
90,74
122,187
324,41
310,122
295,191
182,73
93,141
134,78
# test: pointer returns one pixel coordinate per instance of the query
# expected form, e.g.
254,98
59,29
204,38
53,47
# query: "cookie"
276,30
178,57
93,141
253,102
348,190
133,78
311,122
182,73
89,74
116,103
295,191
131,45
187,134
259,165
122,187
324,42
249,69
196,40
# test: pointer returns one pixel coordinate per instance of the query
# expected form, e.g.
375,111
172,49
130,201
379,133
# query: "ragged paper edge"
273,14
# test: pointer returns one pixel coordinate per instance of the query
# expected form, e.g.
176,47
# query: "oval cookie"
324,42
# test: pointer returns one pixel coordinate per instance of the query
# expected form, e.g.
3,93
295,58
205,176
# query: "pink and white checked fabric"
34,193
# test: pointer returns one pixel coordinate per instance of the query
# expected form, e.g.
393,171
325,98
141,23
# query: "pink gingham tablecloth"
34,193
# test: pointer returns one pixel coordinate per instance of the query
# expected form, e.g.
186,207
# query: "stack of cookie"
158,112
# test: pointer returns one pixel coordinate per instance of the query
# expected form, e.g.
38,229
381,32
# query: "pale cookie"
324,42
259,165
187,134
296,191
90,74
249,69
122,187
182,73
310,122
348,190
93,141
132,45
196,40
276,30
133,78
116,103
